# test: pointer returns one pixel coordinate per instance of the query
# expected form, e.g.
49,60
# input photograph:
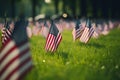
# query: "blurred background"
94,20
107,9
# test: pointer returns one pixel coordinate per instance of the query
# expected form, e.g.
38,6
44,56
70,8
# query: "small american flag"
15,58
87,33
6,34
53,39
78,30
96,33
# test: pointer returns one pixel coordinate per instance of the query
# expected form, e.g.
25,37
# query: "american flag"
6,34
96,33
15,58
87,33
53,39
78,30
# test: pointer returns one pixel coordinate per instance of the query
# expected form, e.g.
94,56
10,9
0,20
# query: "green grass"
97,60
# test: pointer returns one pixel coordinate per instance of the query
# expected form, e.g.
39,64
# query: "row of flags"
100,27
52,32
84,33
15,56
54,36
77,31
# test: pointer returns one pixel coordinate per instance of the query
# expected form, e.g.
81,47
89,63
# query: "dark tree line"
100,8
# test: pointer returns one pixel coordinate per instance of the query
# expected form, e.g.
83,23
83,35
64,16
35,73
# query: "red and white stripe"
15,60
49,42
58,39
87,33
5,35
95,34
84,35
91,31
78,32
53,42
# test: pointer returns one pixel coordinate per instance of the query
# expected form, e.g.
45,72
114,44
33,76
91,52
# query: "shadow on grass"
60,54
96,45
50,53
64,56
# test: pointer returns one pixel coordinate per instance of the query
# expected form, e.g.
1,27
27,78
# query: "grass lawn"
97,60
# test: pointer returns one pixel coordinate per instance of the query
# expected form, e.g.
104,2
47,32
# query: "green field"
97,60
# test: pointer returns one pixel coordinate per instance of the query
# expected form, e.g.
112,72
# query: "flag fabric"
105,28
77,31
84,36
95,34
87,33
91,31
29,32
53,39
15,58
6,34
